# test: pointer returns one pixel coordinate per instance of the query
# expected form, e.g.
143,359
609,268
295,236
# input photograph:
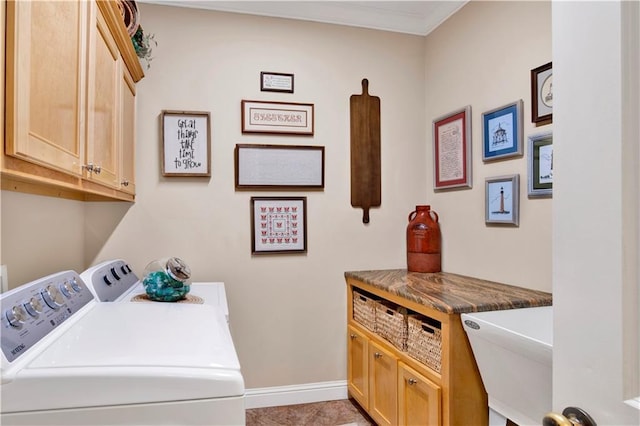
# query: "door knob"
571,416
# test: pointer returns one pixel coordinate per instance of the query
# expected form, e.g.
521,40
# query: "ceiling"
410,17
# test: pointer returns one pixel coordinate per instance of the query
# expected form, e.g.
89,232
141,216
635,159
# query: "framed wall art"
186,143
279,167
502,132
277,118
540,167
278,225
276,82
452,150
542,94
502,201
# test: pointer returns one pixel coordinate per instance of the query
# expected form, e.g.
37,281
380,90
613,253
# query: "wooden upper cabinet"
103,136
71,71
128,128
46,65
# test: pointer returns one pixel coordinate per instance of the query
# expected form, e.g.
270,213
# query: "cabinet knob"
126,183
412,381
353,336
377,355
88,167
97,169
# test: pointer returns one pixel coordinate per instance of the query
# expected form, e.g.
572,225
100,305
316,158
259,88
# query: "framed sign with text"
452,150
186,143
276,82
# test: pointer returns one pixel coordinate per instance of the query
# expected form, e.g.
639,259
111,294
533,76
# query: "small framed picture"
186,143
278,225
452,150
542,94
277,118
540,167
276,82
502,132
502,201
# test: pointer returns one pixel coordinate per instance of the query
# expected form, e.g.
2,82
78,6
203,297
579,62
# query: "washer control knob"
75,285
115,274
16,316
66,289
106,280
33,307
52,297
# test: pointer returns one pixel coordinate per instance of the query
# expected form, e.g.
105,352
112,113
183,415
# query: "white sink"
513,350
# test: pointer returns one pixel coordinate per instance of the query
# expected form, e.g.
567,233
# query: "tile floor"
329,413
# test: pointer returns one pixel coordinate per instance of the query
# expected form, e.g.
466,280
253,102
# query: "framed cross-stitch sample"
277,117
279,167
278,225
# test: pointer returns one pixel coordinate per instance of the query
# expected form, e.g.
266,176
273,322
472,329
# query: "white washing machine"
68,359
115,281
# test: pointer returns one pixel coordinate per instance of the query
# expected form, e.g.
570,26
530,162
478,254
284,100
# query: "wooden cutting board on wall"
365,151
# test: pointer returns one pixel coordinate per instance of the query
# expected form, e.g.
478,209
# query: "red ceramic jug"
423,241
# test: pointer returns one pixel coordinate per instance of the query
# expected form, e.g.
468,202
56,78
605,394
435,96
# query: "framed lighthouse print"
278,225
540,165
502,200
542,94
502,132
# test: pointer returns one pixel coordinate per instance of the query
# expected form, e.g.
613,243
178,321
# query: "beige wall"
288,312
40,236
482,57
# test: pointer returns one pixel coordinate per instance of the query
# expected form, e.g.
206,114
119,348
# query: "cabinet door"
383,382
418,398
103,133
358,366
45,91
127,143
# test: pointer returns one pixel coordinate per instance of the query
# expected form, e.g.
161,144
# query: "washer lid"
144,335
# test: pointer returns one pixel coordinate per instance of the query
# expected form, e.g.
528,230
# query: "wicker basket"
391,324
364,310
424,341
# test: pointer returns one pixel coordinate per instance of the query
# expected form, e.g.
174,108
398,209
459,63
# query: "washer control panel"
30,312
109,280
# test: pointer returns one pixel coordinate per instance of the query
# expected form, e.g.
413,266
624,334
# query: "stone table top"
452,293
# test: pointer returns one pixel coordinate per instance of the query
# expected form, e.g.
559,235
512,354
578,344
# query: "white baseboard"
295,394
